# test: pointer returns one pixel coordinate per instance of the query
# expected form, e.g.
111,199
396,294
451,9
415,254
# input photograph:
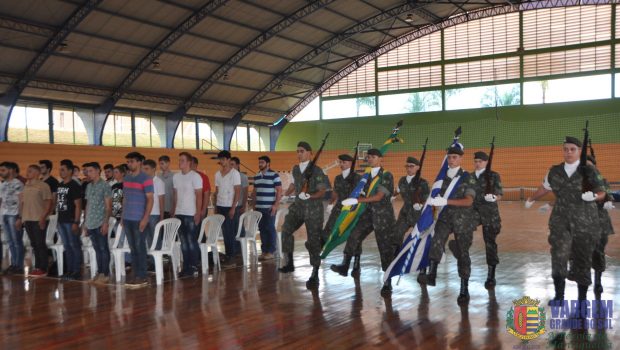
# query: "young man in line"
166,176
108,172
206,189
96,219
35,205
69,210
187,204
150,168
227,195
46,176
266,199
245,184
137,205
10,190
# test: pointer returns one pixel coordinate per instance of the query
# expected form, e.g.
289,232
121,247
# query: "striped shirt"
135,189
265,187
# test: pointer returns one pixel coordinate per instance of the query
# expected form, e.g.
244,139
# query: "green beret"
481,155
455,150
573,140
305,145
413,160
374,152
345,158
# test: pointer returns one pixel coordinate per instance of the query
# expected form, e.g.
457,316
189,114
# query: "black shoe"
559,284
386,290
313,281
432,275
356,271
343,268
289,267
463,297
76,276
490,282
17,271
8,270
598,286
422,276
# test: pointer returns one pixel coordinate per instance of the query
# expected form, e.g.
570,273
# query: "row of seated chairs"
210,233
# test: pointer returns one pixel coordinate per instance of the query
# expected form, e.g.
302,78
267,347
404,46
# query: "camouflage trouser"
489,233
463,242
383,226
598,255
329,226
405,222
578,246
312,216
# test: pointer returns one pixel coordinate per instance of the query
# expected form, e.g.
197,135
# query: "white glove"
304,196
588,196
417,206
329,208
439,202
609,205
283,199
529,203
544,208
392,198
491,198
350,201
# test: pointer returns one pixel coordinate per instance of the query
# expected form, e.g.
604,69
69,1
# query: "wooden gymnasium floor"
259,308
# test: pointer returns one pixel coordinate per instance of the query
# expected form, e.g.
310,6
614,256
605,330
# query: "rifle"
351,177
487,171
307,175
418,174
583,162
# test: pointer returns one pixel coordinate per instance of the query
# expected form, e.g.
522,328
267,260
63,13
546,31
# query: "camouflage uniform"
309,212
458,220
343,189
378,216
407,217
598,256
573,223
488,213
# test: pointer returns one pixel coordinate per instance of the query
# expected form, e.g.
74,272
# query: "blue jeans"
73,247
137,245
15,239
229,230
102,250
188,234
267,230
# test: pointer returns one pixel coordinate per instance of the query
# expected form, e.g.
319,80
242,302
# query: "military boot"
355,272
598,286
582,290
386,290
490,282
463,297
422,276
289,267
432,275
343,268
313,281
559,284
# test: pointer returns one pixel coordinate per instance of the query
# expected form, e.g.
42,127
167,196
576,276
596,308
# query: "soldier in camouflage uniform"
414,196
574,220
378,216
485,205
343,186
307,209
457,217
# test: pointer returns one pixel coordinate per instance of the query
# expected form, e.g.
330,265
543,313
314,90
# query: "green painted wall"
531,125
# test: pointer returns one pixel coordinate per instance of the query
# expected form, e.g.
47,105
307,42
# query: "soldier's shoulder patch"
472,180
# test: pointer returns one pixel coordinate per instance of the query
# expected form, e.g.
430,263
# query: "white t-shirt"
226,187
159,189
186,186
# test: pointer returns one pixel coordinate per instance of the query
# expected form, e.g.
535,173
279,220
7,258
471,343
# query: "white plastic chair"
28,247
171,229
5,246
280,215
215,231
248,220
57,248
118,253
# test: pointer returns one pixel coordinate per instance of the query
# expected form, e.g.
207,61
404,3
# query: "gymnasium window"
259,138
29,122
211,134
349,108
185,137
412,102
73,126
483,96
592,87
360,81
311,112
117,130
150,130
239,140
617,88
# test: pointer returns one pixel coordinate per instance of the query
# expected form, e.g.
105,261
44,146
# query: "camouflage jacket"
569,207
488,211
385,185
463,217
407,191
607,227
343,187
318,181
